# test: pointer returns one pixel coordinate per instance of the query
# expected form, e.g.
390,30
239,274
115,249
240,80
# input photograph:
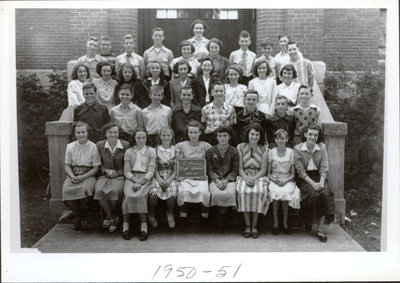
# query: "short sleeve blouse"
82,154
281,165
188,151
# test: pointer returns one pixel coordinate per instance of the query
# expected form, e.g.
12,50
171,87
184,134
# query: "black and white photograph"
179,142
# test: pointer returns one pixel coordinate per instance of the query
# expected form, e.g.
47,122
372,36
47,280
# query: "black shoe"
275,230
77,223
203,221
183,222
143,236
126,235
287,230
321,236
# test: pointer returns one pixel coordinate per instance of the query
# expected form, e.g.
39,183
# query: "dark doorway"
224,24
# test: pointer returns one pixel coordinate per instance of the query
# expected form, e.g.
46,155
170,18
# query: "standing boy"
266,51
158,52
157,115
91,59
105,50
304,67
130,56
244,58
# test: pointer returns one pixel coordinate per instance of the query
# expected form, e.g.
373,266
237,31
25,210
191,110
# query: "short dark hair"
283,35
105,38
305,86
217,83
281,97
187,87
102,64
258,64
195,124
80,124
224,129
292,42
195,22
202,60
132,142
313,127
251,91
266,42
291,68
109,126
214,40
156,29
257,128
181,62
244,33
74,74
93,38
184,43
127,36
89,85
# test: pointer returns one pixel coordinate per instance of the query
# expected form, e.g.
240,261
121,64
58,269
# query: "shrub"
36,106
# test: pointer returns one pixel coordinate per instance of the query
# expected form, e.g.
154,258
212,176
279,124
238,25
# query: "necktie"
243,62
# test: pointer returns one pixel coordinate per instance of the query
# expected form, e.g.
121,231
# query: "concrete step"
63,239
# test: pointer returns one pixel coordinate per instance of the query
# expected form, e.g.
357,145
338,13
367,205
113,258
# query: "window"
172,14
222,14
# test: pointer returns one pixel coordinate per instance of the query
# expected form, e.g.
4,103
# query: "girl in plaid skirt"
164,184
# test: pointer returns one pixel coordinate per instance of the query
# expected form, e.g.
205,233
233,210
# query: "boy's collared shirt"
180,119
305,72
246,119
110,58
134,59
276,122
236,58
213,117
162,55
127,120
156,118
302,159
311,165
91,63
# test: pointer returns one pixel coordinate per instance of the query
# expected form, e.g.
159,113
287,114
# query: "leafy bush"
36,106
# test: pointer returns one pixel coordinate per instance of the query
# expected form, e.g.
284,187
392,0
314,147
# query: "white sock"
183,214
204,214
143,227
125,226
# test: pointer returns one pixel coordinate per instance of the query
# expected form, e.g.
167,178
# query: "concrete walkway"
63,239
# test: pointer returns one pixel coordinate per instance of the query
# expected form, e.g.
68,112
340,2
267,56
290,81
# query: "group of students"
244,128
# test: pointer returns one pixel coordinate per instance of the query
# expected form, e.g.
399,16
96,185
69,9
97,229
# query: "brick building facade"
49,38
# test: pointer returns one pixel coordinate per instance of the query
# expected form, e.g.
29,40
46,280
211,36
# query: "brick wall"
47,38
345,36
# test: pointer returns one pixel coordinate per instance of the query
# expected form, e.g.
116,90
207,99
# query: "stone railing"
58,134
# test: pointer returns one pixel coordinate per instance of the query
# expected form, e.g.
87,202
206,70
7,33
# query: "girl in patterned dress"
265,86
251,184
164,186
282,188
82,161
234,91
105,85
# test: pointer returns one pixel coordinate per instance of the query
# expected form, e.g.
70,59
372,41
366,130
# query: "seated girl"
234,91
282,188
265,86
164,186
311,162
193,191
252,184
110,185
222,169
139,167
127,75
79,75
105,85
82,161
154,75
127,115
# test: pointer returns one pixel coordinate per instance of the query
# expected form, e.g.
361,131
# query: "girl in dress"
311,161
154,75
193,191
234,91
265,86
252,184
127,75
127,115
289,88
110,185
198,40
139,167
187,49
222,169
282,188
82,161
80,74
164,186
105,85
